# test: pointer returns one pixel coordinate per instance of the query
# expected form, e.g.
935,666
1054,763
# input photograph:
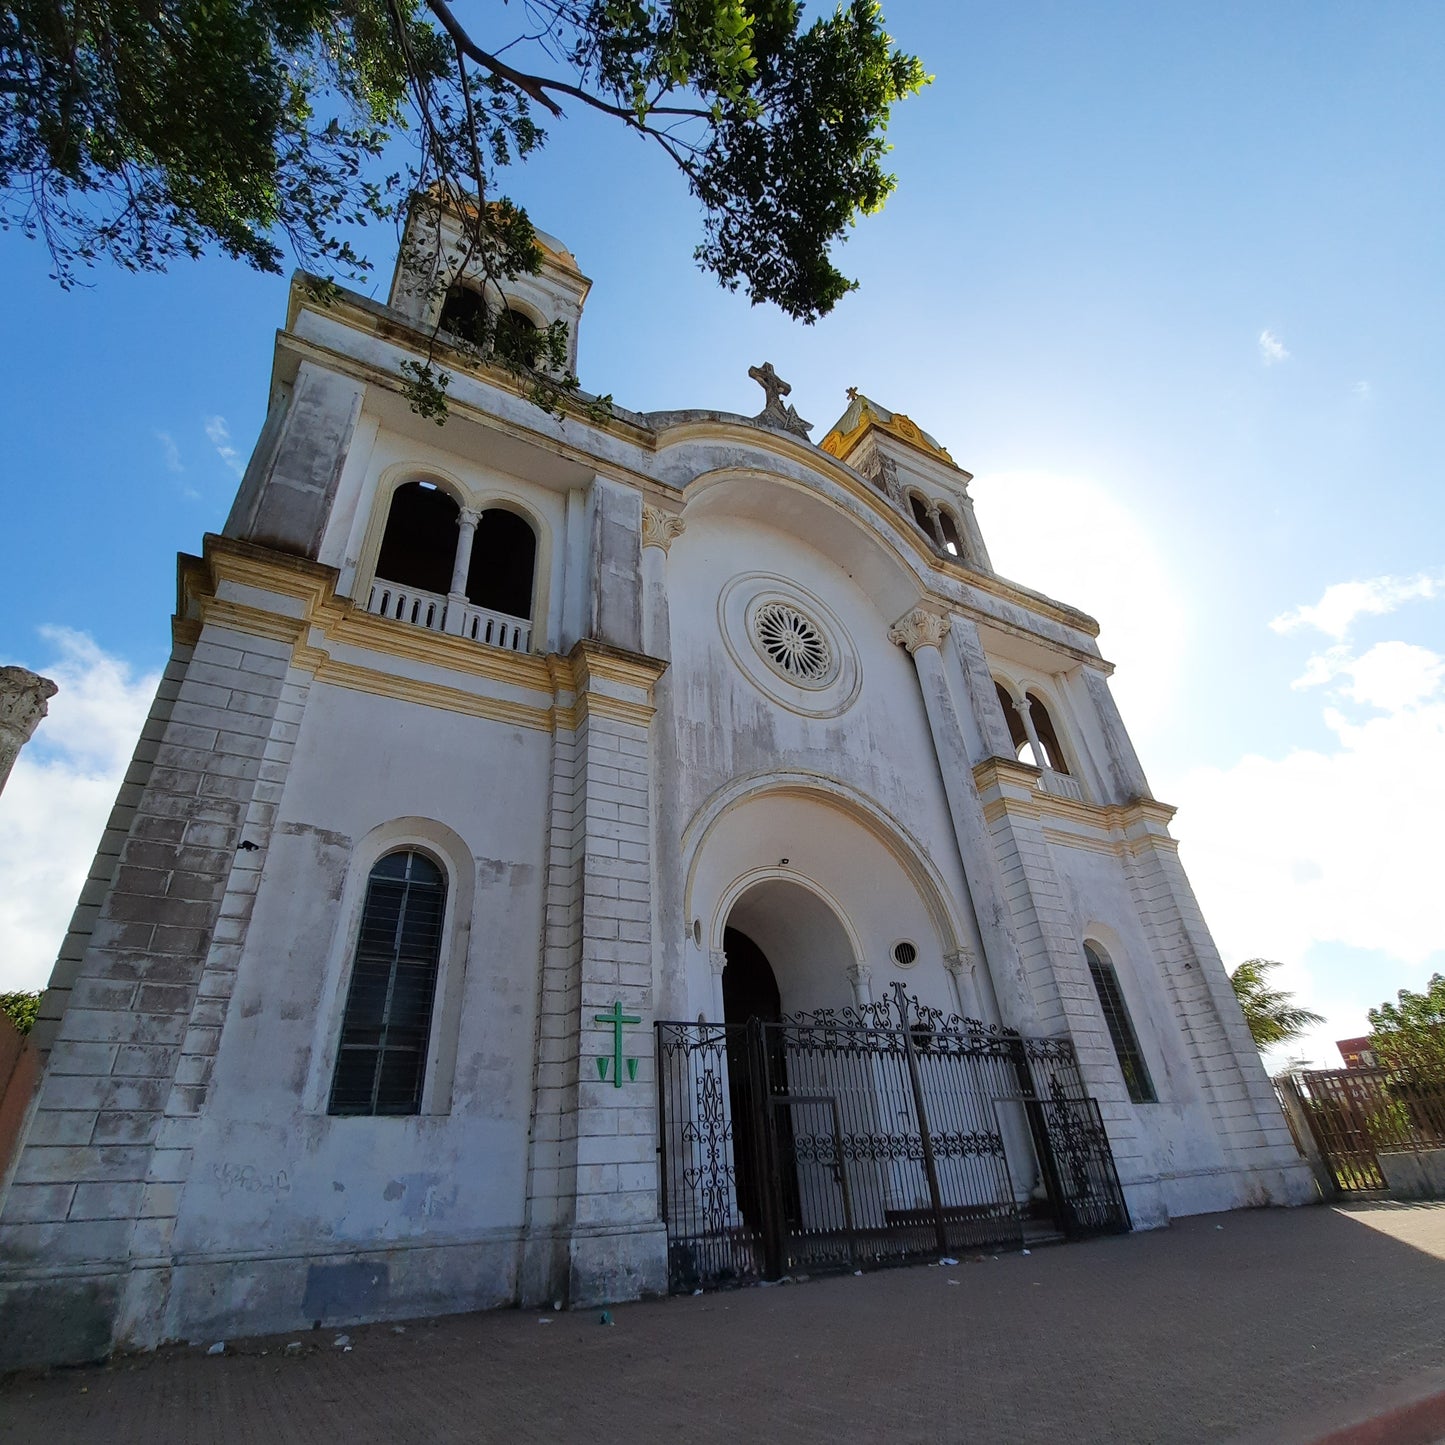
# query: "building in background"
1358,1053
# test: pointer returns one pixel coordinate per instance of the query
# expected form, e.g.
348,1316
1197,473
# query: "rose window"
791,642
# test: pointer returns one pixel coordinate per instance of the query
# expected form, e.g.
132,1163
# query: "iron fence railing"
1354,1115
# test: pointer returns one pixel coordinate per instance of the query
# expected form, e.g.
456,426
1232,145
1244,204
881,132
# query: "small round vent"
904,954
791,642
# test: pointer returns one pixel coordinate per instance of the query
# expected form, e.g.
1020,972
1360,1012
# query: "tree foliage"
1409,1035
20,1008
1271,1013
140,131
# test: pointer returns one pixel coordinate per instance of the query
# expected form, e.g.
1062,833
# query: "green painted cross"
616,1018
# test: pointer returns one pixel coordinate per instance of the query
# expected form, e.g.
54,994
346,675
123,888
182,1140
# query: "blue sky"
1165,278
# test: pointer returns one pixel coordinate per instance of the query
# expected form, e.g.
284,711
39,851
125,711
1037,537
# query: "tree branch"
537,86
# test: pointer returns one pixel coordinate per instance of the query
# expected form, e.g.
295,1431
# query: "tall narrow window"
952,542
504,559
1047,734
920,512
1121,1029
382,1059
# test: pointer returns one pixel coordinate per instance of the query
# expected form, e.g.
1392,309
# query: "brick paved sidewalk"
1269,1326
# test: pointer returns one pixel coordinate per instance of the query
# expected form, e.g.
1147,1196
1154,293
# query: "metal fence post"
930,1166
1301,1125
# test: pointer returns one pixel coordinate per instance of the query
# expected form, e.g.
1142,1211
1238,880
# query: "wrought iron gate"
855,1138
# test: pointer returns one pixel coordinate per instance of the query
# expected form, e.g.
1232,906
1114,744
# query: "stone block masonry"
592,1171
138,1001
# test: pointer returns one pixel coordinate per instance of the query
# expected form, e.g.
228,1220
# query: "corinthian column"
23,699
659,529
922,632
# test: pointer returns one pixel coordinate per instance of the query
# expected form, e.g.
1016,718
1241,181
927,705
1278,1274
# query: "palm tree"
1271,1013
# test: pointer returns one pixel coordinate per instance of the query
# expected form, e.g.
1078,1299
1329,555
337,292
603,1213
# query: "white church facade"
495,761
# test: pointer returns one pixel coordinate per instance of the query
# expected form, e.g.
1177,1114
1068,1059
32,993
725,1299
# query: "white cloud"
1363,390
1390,676
1323,852
170,451
1271,348
220,438
60,793
1033,522
1341,603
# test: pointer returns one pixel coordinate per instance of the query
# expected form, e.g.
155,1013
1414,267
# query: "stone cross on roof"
771,382
775,414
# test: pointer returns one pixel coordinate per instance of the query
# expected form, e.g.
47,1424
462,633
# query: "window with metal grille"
1121,1030
382,1059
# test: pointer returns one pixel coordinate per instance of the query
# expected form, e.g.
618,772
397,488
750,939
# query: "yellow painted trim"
431,694
255,621
840,444
595,704
352,627
330,620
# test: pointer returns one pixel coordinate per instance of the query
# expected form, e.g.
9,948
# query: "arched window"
504,561
518,338
515,336
920,512
1121,1028
381,1062
1016,734
1048,737
952,542
419,546
464,314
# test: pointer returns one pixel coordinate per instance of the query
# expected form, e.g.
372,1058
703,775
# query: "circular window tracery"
792,642
789,644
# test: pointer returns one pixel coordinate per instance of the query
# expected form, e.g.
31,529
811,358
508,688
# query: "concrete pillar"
967,667
24,696
1025,710
659,530
935,526
861,977
718,960
287,493
922,632
614,611
1126,776
593,1224
467,519
973,536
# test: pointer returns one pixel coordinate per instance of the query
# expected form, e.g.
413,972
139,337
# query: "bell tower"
914,470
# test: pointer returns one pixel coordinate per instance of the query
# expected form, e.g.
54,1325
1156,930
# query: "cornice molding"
566,688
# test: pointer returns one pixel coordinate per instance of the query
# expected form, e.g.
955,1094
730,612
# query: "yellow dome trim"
863,415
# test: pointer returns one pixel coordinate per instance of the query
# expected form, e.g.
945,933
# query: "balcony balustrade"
1061,785
439,614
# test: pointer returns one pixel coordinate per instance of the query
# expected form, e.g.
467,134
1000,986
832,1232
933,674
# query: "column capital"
469,516
919,628
961,960
861,977
660,528
23,698
718,958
